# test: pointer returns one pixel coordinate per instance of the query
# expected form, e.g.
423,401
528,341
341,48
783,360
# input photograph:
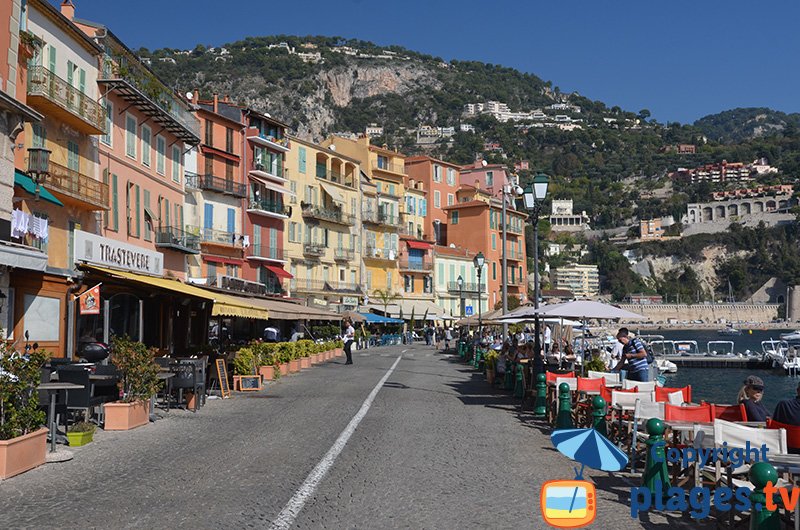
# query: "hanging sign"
90,301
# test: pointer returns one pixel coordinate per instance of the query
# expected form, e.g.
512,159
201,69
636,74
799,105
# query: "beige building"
650,229
582,280
322,234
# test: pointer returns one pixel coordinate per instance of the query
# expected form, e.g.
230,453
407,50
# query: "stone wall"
708,313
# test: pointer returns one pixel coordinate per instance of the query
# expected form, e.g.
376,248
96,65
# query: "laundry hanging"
20,222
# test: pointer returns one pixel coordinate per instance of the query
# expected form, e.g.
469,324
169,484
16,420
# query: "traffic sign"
468,310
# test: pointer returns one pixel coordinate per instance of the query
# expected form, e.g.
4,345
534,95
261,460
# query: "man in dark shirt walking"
788,410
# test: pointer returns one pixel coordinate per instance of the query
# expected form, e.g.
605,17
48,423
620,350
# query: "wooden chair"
623,404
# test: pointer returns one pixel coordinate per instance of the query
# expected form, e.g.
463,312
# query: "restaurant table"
51,389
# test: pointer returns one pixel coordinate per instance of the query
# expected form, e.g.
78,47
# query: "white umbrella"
588,309
525,320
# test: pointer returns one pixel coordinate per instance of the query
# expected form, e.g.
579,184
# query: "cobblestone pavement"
437,449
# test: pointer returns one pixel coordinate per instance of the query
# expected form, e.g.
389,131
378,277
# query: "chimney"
227,98
68,9
216,103
195,96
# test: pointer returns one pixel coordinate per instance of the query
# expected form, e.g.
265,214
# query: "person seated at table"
751,395
788,410
634,357
568,358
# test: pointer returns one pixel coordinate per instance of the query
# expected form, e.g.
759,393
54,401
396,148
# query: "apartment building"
488,177
582,280
441,181
563,219
415,251
323,230
452,263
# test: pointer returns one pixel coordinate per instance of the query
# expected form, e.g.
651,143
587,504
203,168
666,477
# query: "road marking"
404,351
363,354
295,505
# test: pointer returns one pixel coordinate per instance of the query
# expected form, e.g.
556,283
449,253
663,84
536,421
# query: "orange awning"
420,245
279,272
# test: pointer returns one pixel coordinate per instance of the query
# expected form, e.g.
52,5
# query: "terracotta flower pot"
294,366
339,352
22,453
125,416
316,358
267,373
191,400
284,367
490,376
305,363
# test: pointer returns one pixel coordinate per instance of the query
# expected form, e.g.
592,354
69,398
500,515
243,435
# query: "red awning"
279,272
421,245
220,259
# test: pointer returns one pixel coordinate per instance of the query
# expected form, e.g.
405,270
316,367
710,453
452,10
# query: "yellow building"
322,240
416,248
383,191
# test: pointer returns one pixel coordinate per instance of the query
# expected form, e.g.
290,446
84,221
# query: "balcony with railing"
382,218
335,176
277,174
515,229
412,232
92,193
380,253
266,253
452,287
390,167
232,283
333,215
415,265
268,140
344,254
517,282
217,184
56,97
314,250
306,285
214,237
514,256
268,208
177,239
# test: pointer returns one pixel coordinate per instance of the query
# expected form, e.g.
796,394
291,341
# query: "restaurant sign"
350,300
98,250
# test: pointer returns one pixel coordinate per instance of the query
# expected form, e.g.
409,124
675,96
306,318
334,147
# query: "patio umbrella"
590,448
588,309
352,315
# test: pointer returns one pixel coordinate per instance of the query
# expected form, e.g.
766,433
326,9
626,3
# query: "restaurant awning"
26,183
420,245
272,186
279,272
333,192
223,305
282,310
22,257
372,318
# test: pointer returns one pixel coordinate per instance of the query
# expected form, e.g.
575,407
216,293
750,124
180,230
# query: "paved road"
437,449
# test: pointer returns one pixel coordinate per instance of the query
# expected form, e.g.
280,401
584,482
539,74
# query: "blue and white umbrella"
590,448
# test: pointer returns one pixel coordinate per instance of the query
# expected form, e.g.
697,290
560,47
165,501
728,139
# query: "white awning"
22,257
272,186
333,192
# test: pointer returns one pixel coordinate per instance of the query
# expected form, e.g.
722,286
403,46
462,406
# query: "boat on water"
720,348
666,367
688,348
791,336
729,330
775,351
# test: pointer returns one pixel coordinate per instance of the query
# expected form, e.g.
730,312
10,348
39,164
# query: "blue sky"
680,59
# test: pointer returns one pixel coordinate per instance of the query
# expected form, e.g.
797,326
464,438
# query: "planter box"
330,354
294,366
77,439
339,352
267,373
22,453
315,359
126,416
284,368
305,363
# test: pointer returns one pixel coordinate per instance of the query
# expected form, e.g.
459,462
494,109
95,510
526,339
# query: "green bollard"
564,418
656,472
540,407
599,415
476,363
508,382
761,518
519,387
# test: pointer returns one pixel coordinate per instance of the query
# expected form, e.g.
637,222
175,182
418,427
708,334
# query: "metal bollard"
564,418
519,387
476,363
599,415
656,472
761,474
540,407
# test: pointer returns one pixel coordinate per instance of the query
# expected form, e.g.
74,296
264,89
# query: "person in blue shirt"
634,357
751,395
788,410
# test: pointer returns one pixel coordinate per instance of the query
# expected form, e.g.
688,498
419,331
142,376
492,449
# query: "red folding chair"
606,392
730,412
792,434
703,413
552,376
583,407
662,393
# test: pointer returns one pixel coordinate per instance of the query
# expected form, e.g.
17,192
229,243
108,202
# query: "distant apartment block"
741,207
374,130
583,280
562,218
725,172
650,229
681,149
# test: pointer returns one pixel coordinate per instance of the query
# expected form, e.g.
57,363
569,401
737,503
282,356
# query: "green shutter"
82,81
147,205
52,59
114,203
138,214
70,67
166,210
105,213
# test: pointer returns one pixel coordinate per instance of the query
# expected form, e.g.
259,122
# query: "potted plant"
267,361
80,433
490,362
23,438
139,383
304,353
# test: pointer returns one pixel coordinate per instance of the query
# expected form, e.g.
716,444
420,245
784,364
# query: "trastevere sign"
98,250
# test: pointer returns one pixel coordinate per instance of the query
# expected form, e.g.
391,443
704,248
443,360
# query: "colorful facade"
441,180
452,263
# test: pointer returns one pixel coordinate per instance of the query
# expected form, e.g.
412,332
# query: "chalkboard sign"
249,383
222,377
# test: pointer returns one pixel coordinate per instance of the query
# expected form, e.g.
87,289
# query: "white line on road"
404,351
292,509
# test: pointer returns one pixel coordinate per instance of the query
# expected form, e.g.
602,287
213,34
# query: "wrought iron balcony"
313,249
467,287
264,252
81,187
214,183
55,96
278,174
416,265
381,218
333,215
390,167
267,140
177,239
269,208
344,254
217,237
513,229
305,285
379,253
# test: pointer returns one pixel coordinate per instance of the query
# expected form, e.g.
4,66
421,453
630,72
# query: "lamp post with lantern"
38,166
478,261
534,197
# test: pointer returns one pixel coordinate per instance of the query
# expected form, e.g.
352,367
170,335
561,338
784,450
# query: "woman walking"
349,335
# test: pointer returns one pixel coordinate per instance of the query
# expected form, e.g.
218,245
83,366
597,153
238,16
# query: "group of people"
751,394
439,337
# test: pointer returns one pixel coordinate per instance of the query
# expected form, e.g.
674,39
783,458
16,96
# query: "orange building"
475,223
441,181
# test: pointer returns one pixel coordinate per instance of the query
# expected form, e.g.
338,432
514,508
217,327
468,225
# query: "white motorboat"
775,351
666,367
729,330
792,366
720,348
792,335
687,348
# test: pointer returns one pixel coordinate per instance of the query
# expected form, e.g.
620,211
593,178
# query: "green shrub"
596,365
245,362
19,400
285,351
138,367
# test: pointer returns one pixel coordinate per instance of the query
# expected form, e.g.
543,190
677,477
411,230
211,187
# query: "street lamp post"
478,261
534,197
460,282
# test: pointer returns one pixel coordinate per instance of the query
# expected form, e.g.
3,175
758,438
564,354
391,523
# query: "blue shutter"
231,220
208,216
302,159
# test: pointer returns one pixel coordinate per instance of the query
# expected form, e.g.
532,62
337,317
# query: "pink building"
490,177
